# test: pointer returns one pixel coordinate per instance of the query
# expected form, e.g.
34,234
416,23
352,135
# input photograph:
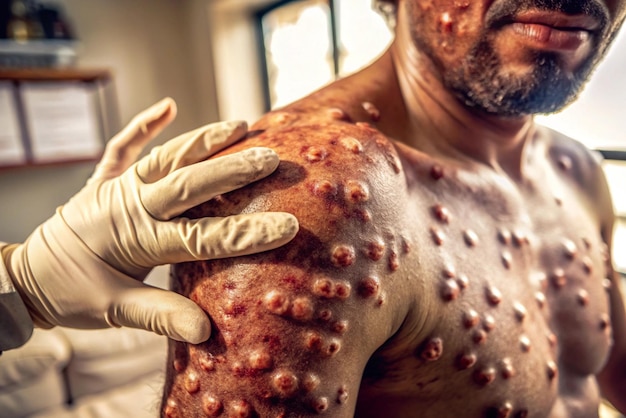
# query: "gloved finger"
124,148
210,238
160,311
197,183
189,148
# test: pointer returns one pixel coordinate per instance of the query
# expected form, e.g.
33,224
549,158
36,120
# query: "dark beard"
480,82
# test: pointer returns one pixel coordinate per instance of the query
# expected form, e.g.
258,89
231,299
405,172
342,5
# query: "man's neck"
436,122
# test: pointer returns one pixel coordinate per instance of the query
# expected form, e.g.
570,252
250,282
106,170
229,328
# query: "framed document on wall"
62,119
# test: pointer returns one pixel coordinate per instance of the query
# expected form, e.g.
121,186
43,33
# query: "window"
309,43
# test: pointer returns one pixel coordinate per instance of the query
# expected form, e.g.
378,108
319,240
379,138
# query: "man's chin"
512,108
515,107
485,83
546,91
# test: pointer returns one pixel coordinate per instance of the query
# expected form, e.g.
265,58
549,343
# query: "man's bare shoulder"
584,167
293,328
571,155
331,169
342,180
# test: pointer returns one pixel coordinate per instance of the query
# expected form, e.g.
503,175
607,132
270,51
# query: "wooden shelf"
61,74
58,163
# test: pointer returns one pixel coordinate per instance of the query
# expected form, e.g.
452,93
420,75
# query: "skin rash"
451,260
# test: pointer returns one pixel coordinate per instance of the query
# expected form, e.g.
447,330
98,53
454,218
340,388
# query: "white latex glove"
84,266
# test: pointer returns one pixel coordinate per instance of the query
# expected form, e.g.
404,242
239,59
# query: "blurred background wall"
154,48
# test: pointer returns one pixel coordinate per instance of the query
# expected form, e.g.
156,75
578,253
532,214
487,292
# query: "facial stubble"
482,82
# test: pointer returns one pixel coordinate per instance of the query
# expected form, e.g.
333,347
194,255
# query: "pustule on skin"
451,17
451,23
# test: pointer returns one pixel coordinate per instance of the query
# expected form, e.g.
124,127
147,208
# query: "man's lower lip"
550,38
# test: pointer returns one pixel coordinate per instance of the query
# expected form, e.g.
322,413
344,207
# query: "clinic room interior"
219,60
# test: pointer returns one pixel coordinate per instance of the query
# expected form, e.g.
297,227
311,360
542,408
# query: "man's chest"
509,302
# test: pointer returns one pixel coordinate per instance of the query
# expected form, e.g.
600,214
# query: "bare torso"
513,317
417,287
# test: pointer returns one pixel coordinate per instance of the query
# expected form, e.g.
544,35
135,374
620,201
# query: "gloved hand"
84,266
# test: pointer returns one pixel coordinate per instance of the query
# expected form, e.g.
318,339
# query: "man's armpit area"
293,328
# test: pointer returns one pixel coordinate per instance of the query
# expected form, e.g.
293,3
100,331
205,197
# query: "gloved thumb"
160,311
